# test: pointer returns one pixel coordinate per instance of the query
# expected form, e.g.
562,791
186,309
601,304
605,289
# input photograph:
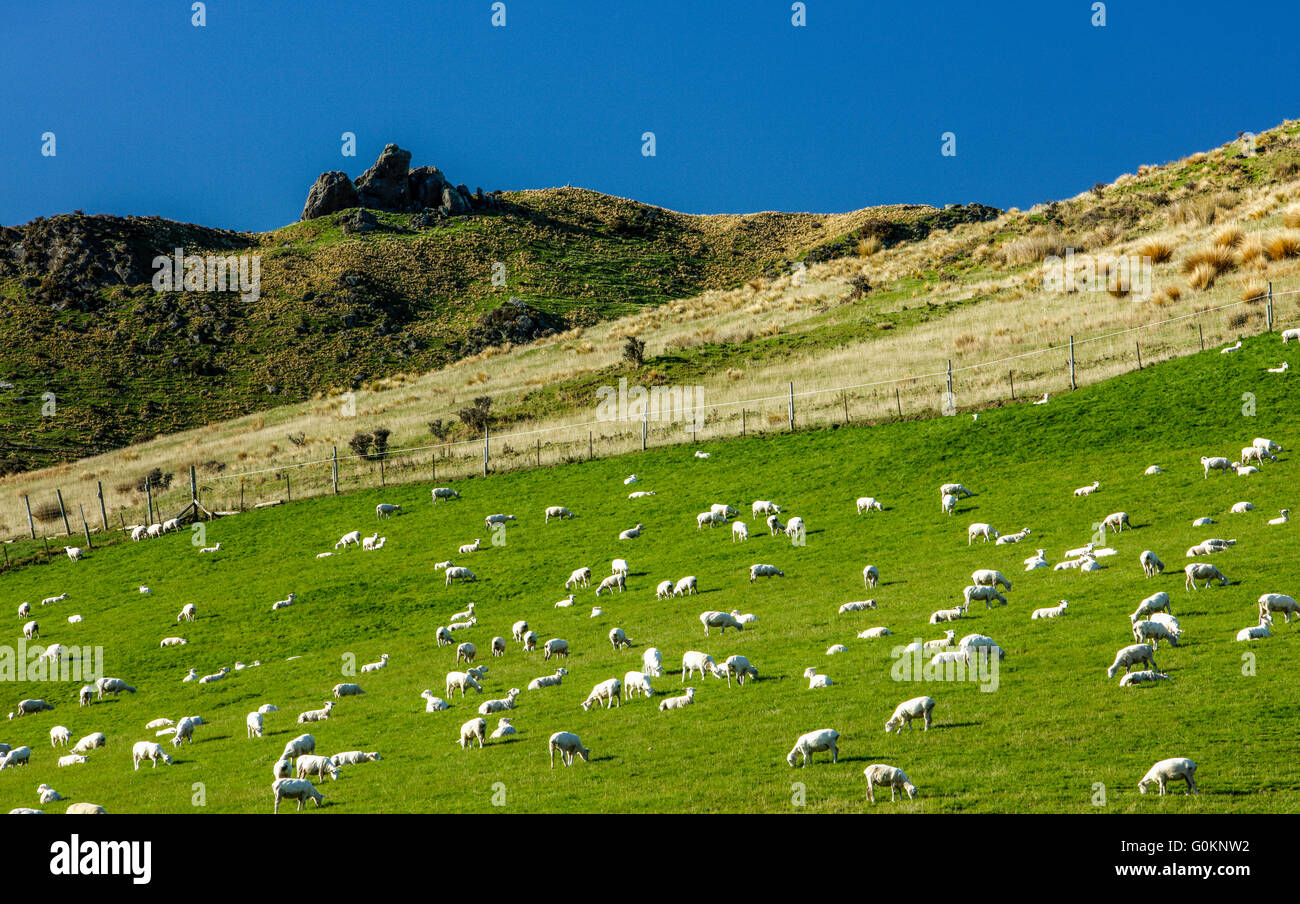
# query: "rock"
331,193
513,322
360,220
455,202
424,187
384,185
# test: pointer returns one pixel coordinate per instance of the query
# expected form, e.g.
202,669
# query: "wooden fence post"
381,471
1072,383
1270,305
950,378
590,454
1138,347
85,528
241,494
898,401
194,489
103,512
334,471
1201,329
487,439
30,524
288,491
67,531
742,422
148,494
845,397
645,429
791,406
1011,375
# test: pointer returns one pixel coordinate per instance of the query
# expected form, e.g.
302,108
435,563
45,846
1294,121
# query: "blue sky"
229,124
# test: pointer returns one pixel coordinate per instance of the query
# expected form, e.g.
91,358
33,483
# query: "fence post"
241,494
1138,347
334,471
950,378
85,528
898,401
1072,384
645,429
194,489
31,525
742,422
103,512
288,490
434,465
539,451
1201,329
1011,375
1270,305
148,495
590,454
845,396
67,531
487,439
791,406
381,472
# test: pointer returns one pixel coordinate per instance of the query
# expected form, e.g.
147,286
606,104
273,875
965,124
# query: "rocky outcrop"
390,184
384,185
331,193
513,322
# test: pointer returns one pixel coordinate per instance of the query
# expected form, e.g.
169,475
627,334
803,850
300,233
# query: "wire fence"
79,512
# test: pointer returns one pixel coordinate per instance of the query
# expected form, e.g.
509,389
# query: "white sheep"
1145,676
986,595
738,666
954,489
834,649
709,518
686,586
614,580
868,504
631,533
739,531
32,630
1261,442
872,633
1088,490
565,603
639,494
882,775
298,789
814,742
517,630
945,615
1203,571
1283,517
870,576
764,571
608,691
1278,602
568,744
774,525
1038,560
468,548
948,503
474,729
652,662
444,493
1169,770
47,794
548,680
253,722
795,529
216,548
316,715
664,590
352,538
487,707
387,510
694,661
1244,471
148,750
617,638
1006,539
1154,632
1215,463
466,650
816,681
74,619
90,742
463,681
284,603
376,666
726,511
988,577
857,606
50,600
555,647
685,699
60,736
530,641
765,507
916,708
24,610
722,620
74,552
444,637
619,566
1156,602
978,642
980,529
71,759
1202,522
503,729
459,573
298,746
1260,631
1130,656
347,690
1154,469
433,704
114,686
491,520
139,532
354,758
636,682
1116,521
1151,564
215,676
580,576
1051,611
368,543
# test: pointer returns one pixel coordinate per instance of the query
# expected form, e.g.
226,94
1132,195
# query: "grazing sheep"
619,566
916,708
518,629
87,693
664,590
444,637
458,572
869,503
568,744
608,691
948,503
1288,335
652,662
557,511
1146,676
579,576
298,746
1169,770
1278,602
1256,454
1154,632
461,680
1116,521
685,699
764,507
59,736
795,529
1156,602
988,577
872,633
816,681
980,529
316,715
1154,469
148,750
114,686
1260,631
1130,656
299,789
870,576
90,742
354,758
1151,564
491,520
1088,490
726,511
444,493
882,775
764,571
636,682
614,580
686,586
694,661
347,690
31,630
1051,611
738,666
631,533
1203,571
386,510
253,721
981,642
723,620
1216,463
74,552
20,756
353,538
30,706
487,707
467,651
1284,516
555,647
473,730
618,639
813,742
987,595
709,518
530,641
1261,442
24,610
857,606
317,766
739,531
433,704
954,489
468,548
188,613
548,680
1014,538
774,525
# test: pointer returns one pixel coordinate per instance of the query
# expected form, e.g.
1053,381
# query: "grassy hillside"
1054,727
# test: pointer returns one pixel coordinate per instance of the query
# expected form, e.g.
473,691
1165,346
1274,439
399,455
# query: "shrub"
46,512
1282,245
155,479
1158,250
1216,257
477,417
634,351
1202,277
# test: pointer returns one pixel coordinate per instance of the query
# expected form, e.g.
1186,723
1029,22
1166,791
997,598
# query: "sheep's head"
910,789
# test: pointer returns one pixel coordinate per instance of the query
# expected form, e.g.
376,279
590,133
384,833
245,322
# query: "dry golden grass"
1254,288
1160,250
1215,257
869,246
1291,218
1281,245
1252,250
1032,248
1229,236
1202,277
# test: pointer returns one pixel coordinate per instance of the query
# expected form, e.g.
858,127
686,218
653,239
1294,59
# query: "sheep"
1203,571
215,676
517,630
352,538
1014,538
1277,602
1153,603
298,746
50,600
461,680
555,647
387,510
354,758
284,603
47,794
530,641
869,503
1146,676
74,619
114,686
618,639
568,744
857,606
468,548
491,520
439,566
988,577
608,691
299,789
916,708
1169,770
1154,469
664,590
631,533
579,576
636,682
90,742
954,489
473,730
20,756
1244,471
1260,631
614,580
947,615
85,697
872,633
774,525
1089,564
1151,564
739,531
565,603
188,613
836,648
738,666
138,532
548,680
1283,517
1130,656
1208,547
1288,335
765,507
347,690
148,750
652,662
154,530
699,454
764,571
1256,454
944,657
870,576
216,548
444,636
59,736
433,704
816,681
889,776
980,529
316,715
32,630
27,707
444,493
709,518
619,566
1116,521
981,642
376,666
1088,490
723,620
948,504
1261,442
1215,464
1050,611
557,511
1154,631
694,661
318,766
74,552
71,759
458,572
814,742
487,707
1038,560
1231,348
685,699
726,511
973,593
686,586
640,494
24,610
466,650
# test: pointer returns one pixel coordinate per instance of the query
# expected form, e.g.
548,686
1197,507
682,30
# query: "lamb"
1261,442
387,510
640,494
869,503
686,586
1153,603
947,615
216,676
631,533
916,708
579,576
814,742
490,520
764,571
90,742
459,572
634,683
816,681
747,618
154,530
284,603
461,680
988,577
978,642
715,619
376,666
298,789
739,531
618,639
433,704
352,538
888,776
1154,632
1116,521
699,454
31,630
1215,464
948,504
694,661
774,525
986,594
318,766
74,552
836,648
857,606
20,756
608,691
474,729
354,758
518,629
795,528
1151,564
28,707
1288,335
954,489
1146,676
1283,517
614,580
565,603
1088,490
138,532
298,746
664,590
1244,471
1039,560
487,707
1203,571
652,663
555,647
47,794
530,641
709,518
685,699
872,633
316,715
114,686
216,548
568,744
738,666
619,566
59,736
86,696
188,613
548,680
726,511
557,511
1277,602
870,576
1051,611
24,610
1130,656
444,493
1013,538
50,600
444,637
1260,631
466,650
74,619
1256,454
468,548
1169,770
71,759
980,529
1154,469
765,507
148,750
347,690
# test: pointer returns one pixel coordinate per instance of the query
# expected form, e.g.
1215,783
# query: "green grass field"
1054,727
